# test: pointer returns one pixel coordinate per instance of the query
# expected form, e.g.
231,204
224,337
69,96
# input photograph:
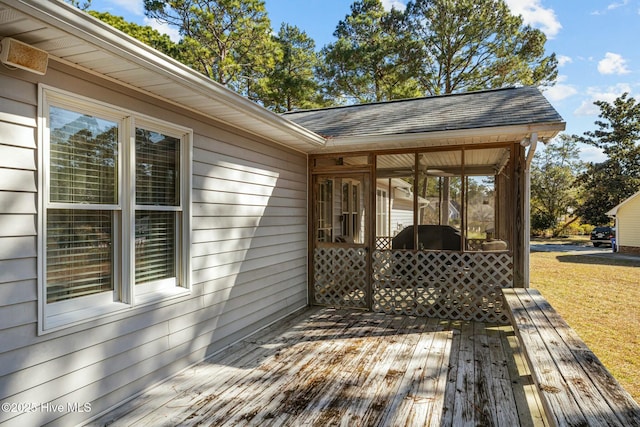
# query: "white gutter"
533,143
444,137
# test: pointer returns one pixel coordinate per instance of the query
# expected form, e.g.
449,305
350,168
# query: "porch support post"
518,216
533,141
522,211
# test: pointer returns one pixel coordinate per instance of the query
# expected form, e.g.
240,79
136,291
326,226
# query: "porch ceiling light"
438,172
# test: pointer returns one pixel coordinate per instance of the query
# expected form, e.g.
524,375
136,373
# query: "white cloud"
617,5
592,154
163,28
610,6
613,63
564,60
537,16
397,4
560,92
587,108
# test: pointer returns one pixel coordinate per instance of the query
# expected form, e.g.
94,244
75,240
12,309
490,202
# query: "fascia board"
91,30
515,132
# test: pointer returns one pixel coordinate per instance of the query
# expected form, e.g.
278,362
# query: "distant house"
150,217
627,218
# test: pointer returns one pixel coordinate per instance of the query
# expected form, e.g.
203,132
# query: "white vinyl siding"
18,188
628,222
248,256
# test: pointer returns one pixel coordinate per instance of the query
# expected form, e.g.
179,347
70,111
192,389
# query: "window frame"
53,316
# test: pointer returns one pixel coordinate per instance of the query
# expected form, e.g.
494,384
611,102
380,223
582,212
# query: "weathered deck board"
575,388
526,392
345,367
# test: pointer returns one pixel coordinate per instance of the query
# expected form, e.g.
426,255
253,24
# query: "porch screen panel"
351,208
157,206
486,201
422,264
324,206
395,204
440,189
339,210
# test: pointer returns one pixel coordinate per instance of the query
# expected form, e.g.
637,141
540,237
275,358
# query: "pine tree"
228,40
369,61
476,44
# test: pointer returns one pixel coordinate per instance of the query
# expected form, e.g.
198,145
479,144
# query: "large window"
115,215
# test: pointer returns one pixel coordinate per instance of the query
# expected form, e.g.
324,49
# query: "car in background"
602,236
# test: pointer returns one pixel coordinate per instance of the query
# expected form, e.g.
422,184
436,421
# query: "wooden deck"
344,367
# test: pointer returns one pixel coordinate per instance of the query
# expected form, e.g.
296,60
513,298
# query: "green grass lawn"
600,299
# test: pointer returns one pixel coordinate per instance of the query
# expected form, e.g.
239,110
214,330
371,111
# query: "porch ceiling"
483,161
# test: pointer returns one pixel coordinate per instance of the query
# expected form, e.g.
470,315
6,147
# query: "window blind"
83,164
157,188
155,246
157,169
79,253
83,158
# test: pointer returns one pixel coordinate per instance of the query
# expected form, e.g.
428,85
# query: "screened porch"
424,232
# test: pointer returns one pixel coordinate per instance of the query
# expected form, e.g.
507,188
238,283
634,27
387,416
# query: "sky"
595,42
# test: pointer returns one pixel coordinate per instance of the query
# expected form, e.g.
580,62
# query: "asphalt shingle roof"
482,109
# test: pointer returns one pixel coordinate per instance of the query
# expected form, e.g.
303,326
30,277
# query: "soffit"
73,37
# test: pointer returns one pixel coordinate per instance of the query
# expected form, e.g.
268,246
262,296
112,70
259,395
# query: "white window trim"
126,295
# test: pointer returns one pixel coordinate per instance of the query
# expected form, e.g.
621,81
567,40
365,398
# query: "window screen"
157,189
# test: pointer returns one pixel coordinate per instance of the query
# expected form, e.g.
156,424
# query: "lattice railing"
340,276
451,285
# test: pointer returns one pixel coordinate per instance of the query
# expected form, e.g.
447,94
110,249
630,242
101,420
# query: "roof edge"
613,212
91,30
550,129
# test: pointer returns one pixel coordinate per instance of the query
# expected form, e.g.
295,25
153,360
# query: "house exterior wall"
248,258
628,226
